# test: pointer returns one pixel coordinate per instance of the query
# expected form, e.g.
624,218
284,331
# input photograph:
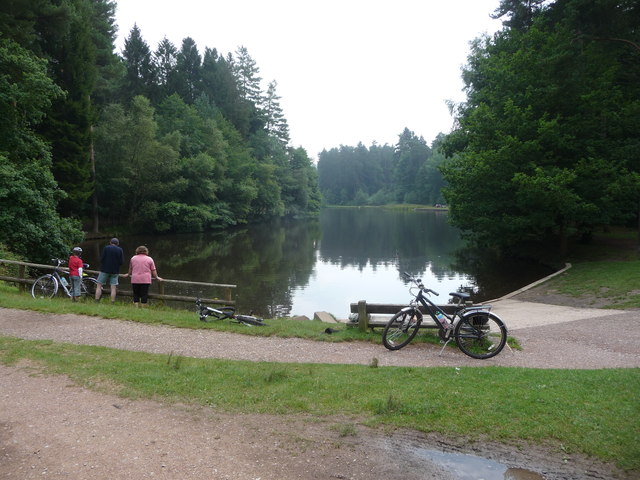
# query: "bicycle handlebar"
419,283
60,261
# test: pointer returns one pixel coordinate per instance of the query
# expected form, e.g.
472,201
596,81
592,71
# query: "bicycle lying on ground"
47,285
477,332
208,314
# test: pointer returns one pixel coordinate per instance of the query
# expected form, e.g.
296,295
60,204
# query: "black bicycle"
208,314
477,332
47,286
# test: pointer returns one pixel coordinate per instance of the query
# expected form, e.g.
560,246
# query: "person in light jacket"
142,269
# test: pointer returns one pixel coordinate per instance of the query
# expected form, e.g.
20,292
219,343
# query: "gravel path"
550,336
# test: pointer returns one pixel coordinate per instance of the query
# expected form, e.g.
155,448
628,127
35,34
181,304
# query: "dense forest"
179,139
546,145
405,173
164,140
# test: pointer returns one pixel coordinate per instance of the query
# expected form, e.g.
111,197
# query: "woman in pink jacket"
141,269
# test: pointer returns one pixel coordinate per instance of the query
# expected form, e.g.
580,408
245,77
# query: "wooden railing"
365,310
227,298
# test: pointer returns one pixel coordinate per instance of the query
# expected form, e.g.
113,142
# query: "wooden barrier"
23,280
365,310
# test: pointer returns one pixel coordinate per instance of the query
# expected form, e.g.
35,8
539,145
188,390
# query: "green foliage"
71,50
163,141
406,173
188,63
29,223
410,155
545,138
140,69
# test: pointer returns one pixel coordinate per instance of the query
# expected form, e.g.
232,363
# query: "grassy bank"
608,284
605,273
591,412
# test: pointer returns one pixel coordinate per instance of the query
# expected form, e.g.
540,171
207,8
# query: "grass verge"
614,283
10,297
594,412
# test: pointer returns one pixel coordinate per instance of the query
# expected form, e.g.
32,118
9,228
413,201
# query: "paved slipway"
551,336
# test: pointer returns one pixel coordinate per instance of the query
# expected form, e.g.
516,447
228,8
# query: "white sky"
348,71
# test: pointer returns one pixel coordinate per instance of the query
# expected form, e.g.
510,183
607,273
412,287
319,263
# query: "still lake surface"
298,267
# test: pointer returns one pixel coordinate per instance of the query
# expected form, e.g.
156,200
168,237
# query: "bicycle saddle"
461,295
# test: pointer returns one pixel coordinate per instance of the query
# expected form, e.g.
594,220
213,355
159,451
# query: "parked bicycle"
208,314
477,332
47,286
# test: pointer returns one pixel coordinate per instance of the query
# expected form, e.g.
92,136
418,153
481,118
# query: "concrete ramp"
517,314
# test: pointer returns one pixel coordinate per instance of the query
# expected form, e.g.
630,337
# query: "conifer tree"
275,122
166,62
140,71
188,65
247,73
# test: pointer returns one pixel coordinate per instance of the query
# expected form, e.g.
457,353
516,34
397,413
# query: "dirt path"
51,428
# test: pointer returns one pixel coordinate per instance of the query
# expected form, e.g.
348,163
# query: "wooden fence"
364,311
23,279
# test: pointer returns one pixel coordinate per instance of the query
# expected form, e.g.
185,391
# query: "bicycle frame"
460,309
66,284
204,312
226,312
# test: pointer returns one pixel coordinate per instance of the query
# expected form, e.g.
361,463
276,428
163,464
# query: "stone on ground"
324,317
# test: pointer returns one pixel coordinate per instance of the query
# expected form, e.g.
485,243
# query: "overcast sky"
348,71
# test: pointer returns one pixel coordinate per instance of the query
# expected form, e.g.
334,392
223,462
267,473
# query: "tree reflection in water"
288,266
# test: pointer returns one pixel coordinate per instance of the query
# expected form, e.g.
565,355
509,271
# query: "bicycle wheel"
88,287
482,335
45,287
401,329
208,314
250,320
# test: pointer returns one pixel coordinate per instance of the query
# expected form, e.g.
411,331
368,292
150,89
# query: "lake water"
298,267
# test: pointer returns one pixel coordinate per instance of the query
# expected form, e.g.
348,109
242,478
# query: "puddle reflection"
471,467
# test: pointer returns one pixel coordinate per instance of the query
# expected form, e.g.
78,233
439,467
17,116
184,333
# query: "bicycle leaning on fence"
208,314
47,285
477,332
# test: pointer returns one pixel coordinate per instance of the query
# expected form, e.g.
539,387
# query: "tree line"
164,140
407,172
545,146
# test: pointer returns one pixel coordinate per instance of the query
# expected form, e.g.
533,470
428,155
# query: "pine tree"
165,63
275,123
247,72
68,127
188,67
140,71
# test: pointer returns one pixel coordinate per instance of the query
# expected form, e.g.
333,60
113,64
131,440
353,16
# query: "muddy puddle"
471,467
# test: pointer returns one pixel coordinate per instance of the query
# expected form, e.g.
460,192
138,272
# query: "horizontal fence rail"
23,279
364,310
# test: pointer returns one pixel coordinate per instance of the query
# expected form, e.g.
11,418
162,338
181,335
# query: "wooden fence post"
21,274
161,289
363,319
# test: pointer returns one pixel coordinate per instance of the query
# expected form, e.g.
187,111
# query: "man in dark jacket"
110,262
